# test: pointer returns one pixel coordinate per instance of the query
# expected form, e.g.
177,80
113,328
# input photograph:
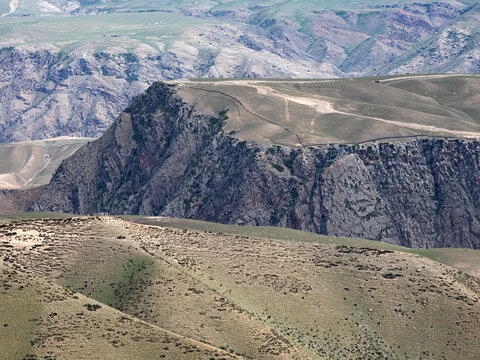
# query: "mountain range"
70,67
227,179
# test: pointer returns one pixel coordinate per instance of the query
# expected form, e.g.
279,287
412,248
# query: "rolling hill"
466,260
27,167
31,164
196,293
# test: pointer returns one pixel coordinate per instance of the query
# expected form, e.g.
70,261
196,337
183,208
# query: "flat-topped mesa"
312,112
170,155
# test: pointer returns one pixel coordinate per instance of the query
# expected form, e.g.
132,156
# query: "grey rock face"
45,93
163,157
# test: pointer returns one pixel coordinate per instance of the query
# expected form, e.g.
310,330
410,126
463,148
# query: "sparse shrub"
92,307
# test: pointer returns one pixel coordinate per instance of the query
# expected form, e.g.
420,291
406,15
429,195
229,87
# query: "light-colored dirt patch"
47,7
11,181
466,134
312,124
321,106
418,77
21,232
287,113
324,107
25,238
13,7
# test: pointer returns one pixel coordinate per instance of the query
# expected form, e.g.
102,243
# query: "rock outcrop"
18,201
163,157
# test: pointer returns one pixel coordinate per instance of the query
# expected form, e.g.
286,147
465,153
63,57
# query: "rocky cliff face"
18,201
162,157
45,93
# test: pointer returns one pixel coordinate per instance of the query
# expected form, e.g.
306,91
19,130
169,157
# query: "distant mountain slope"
69,67
30,164
166,155
453,49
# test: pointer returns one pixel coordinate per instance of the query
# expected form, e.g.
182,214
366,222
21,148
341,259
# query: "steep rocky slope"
18,201
46,93
163,157
72,75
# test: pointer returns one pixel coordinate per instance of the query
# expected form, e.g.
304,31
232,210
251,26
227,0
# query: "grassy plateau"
315,112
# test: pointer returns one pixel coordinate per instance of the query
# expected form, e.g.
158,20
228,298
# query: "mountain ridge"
163,157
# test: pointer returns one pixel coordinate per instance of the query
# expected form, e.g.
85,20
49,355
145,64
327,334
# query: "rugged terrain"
69,67
163,156
18,201
116,288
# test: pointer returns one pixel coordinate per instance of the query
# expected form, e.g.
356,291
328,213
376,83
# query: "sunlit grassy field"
343,110
31,164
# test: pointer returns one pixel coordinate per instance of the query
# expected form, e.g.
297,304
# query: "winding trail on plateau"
325,107
250,111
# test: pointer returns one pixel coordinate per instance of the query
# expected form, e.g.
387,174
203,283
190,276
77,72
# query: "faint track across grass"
251,112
